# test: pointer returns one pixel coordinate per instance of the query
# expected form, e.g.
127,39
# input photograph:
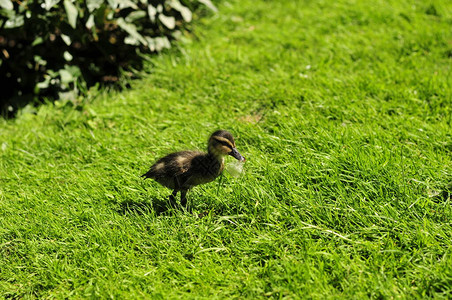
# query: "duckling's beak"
234,153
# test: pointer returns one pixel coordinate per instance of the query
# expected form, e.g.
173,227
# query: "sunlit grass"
343,111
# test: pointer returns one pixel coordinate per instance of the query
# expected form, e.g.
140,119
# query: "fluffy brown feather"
183,170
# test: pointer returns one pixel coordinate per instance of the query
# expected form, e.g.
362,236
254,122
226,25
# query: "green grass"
343,110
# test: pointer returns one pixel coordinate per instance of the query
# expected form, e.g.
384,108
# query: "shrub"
58,48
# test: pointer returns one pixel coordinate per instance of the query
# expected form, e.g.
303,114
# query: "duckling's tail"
146,175
149,174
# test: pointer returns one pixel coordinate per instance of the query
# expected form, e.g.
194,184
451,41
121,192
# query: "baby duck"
180,171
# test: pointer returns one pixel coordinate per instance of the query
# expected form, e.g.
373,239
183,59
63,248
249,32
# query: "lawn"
343,110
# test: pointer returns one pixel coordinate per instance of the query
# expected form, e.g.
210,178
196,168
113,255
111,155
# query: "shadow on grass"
200,205
216,206
157,206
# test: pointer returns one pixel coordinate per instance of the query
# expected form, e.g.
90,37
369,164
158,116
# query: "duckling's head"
221,143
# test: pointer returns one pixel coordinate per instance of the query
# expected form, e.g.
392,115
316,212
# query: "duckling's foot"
172,199
183,198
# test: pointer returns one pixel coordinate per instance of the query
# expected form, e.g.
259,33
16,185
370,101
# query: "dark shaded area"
166,207
52,51
159,206
94,62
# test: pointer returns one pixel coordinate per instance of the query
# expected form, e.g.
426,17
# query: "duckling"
180,171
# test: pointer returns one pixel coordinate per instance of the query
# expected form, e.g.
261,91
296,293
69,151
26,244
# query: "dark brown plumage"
183,170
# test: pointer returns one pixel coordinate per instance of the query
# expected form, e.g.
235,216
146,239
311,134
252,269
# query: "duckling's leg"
172,198
183,199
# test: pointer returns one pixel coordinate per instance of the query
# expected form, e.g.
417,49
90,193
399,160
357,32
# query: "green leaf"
72,13
39,60
44,84
67,56
122,4
161,43
113,4
69,95
48,4
130,40
169,22
209,4
66,39
131,29
69,74
6,4
93,4
66,76
135,15
15,21
90,22
126,4
152,11
37,41
184,11
151,43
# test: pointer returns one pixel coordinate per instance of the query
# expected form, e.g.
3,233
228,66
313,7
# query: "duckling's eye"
225,144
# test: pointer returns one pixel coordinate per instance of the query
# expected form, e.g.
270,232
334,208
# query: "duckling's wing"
172,165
